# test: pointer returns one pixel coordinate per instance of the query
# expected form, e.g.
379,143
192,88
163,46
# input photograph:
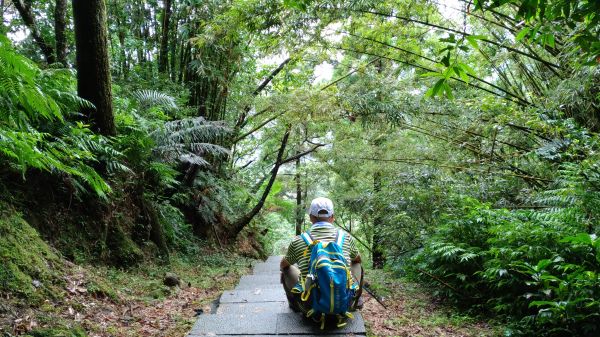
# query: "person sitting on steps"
295,265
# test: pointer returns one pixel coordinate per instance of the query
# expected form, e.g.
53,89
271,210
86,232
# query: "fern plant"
537,267
34,132
190,140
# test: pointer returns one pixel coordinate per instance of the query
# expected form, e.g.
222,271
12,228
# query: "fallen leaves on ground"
125,316
413,313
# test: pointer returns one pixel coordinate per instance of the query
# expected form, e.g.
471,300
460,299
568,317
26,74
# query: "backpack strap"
307,238
340,238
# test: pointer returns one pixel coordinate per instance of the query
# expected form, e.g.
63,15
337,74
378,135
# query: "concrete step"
253,308
259,280
274,259
319,335
248,324
258,307
296,324
264,287
246,296
266,269
235,324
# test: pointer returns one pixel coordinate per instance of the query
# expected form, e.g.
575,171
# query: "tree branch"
29,20
458,32
242,120
438,62
239,224
257,127
519,100
301,154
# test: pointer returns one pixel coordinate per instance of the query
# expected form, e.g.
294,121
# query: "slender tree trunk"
60,25
123,56
93,73
377,255
24,10
157,234
120,31
2,28
163,57
299,210
377,248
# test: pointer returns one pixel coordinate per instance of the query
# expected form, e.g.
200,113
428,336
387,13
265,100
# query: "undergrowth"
411,310
29,268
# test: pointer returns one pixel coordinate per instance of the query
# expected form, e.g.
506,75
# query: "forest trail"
258,307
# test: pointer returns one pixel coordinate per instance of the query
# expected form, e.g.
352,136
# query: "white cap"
321,208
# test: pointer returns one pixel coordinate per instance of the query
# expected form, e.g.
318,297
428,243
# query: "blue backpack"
328,288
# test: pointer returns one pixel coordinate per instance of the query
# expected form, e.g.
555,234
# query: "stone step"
248,324
259,280
258,295
296,324
274,259
266,269
235,324
271,335
253,308
264,287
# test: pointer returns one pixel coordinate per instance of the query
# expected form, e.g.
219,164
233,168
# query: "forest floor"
106,301
410,311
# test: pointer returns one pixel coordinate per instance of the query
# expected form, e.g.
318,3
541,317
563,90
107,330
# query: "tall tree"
93,75
60,24
163,57
299,209
24,9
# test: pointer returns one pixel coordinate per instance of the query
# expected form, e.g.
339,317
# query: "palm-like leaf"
148,98
189,140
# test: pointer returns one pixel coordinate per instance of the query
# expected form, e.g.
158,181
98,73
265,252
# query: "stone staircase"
258,307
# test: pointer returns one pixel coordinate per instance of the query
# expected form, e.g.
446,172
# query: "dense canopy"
458,140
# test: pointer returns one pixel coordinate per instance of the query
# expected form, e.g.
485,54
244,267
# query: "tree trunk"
163,57
174,43
93,73
2,28
60,25
299,210
377,255
27,16
157,234
378,258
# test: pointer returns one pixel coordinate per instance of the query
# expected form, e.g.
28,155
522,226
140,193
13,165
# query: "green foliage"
34,132
577,20
58,332
537,267
178,233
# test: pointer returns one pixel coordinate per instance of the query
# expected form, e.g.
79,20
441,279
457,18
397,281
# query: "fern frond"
148,98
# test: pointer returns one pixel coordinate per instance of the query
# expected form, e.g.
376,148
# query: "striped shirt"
323,231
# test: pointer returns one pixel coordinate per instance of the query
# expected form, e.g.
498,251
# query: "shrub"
541,274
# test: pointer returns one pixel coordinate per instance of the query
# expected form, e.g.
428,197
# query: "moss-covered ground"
42,294
29,268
